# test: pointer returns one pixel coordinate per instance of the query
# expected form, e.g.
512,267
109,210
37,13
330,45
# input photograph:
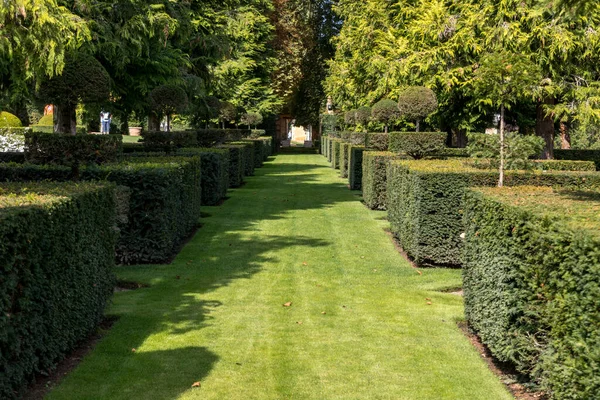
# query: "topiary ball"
385,111
8,120
417,102
46,120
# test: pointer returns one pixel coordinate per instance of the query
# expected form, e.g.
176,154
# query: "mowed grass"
359,326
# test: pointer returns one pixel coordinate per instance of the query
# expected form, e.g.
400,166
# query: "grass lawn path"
359,326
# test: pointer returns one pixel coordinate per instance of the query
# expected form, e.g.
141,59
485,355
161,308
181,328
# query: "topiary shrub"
355,160
335,153
579,155
363,116
46,120
214,137
355,138
8,120
227,112
425,202
168,141
531,283
83,80
377,141
344,147
167,100
350,118
215,172
57,251
417,144
374,178
236,164
416,103
385,112
249,151
252,119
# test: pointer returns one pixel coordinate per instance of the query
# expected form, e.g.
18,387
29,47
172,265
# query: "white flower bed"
11,140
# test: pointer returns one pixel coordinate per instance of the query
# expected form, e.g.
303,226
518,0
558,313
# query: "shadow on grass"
143,353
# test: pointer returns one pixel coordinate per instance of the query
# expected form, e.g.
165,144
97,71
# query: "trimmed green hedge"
542,165
451,152
374,178
164,203
355,138
168,141
57,246
215,172
532,283
214,137
425,202
355,162
16,157
236,164
267,142
378,141
344,147
417,144
330,149
579,155
59,149
258,148
335,153
248,153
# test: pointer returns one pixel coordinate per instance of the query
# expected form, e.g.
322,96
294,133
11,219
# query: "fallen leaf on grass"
196,384
305,263
428,303
133,350
323,312
428,299
419,272
299,322
288,304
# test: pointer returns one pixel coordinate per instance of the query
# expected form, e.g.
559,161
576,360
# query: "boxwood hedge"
168,141
164,202
425,202
258,148
580,155
236,164
417,144
355,138
57,245
248,152
215,172
355,161
532,283
335,153
374,178
377,141
344,146
214,137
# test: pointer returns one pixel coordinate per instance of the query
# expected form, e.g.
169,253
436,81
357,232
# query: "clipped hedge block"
355,162
425,202
168,141
417,144
249,152
57,245
258,152
214,137
377,141
215,172
335,153
579,155
355,138
344,147
374,178
532,283
236,164
15,157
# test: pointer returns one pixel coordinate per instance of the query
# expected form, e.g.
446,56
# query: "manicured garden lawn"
131,139
359,326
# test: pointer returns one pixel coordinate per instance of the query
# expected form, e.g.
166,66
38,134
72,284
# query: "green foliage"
363,115
168,141
386,112
355,166
356,138
58,149
249,152
350,118
378,141
417,144
335,153
344,148
531,280
416,103
582,155
215,172
12,157
425,202
259,152
213,137
168,100
329,123
236,164
251,119
8,120
519,149
57,252
46,120
374,178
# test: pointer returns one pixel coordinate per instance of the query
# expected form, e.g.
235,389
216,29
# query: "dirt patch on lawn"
504,371
43,384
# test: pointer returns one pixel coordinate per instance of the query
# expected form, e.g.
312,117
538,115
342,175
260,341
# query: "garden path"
359,325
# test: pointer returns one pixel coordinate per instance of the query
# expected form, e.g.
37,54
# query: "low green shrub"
425,202
12,157
168,141
129,148
335,153
542,165
579,155
46,120
59,149
417,144
249,152
258,147
215,172
57,245
330,149
344,146
80,130
236,164
164,202
267,142
355,162
355,138
214,137
8,120
532,283
374,178
452,152
377,141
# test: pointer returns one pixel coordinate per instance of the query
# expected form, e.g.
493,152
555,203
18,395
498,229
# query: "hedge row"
164,202
425,202
170,141
57,246
16,157
580,155
542,165
248,153
344,148
374,178
215,172
335,153
236,164
532,283
355,162
417,144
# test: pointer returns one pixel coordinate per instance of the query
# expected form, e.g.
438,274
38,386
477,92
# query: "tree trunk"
65,119
223,124
461,138
153,123
386,129
565,136
501,179
544,128
418,124
168,122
